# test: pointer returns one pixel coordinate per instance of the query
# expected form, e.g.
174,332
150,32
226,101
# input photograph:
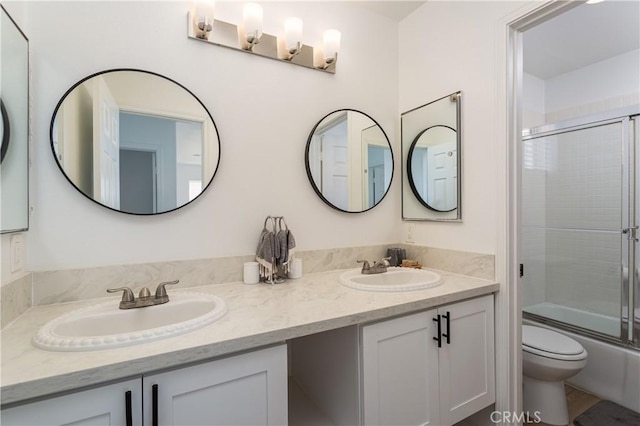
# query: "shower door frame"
629,118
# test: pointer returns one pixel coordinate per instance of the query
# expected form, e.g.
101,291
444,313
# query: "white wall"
615,78
605,85
263,109
446,47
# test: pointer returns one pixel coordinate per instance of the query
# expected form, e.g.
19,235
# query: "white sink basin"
395,279
105,326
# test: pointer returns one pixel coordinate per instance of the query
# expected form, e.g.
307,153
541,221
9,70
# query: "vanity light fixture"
248,37
331,47
203,12
252,24
293,36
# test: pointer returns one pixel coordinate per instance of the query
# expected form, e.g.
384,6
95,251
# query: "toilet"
548,358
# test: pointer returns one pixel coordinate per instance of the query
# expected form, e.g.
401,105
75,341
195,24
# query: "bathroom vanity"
361,357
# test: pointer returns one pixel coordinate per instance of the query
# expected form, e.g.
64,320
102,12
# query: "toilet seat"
550,344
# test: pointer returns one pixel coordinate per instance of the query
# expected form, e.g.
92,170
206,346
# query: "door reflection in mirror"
432,168
349,161
135,141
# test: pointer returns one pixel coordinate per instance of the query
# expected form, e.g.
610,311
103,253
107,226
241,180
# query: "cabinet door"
400,371
106,405
246,389
467,371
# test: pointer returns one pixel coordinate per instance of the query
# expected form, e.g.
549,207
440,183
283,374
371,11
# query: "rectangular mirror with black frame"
431,161
14,127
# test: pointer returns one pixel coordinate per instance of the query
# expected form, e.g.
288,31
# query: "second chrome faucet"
377,268
129,301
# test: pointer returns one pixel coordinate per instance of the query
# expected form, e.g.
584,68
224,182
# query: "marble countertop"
258,315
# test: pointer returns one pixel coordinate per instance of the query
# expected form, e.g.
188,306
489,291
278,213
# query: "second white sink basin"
105,326
395,279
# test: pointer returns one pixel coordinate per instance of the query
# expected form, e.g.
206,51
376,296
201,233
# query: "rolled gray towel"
265,253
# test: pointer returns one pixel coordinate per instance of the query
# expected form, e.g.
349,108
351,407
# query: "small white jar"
295,270
251,273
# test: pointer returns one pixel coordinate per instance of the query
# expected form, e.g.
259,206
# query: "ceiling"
584,35
396,10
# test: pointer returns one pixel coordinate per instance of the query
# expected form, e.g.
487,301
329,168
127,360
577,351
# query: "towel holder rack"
275,249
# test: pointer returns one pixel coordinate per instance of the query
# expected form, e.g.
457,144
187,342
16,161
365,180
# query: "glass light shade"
331,43
204,10
252,19
293,32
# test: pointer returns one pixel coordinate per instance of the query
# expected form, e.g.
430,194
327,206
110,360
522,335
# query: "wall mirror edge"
160,138
15,128
445,181
349,161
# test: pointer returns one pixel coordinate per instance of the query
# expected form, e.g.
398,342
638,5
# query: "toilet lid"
549,341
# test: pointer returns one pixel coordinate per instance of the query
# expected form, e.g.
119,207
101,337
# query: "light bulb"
293,33
252,20
331,43
204,11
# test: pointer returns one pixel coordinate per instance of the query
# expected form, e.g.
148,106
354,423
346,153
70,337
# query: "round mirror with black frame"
349,161
5,131
135,141
432,165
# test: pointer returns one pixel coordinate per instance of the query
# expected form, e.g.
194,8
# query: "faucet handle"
365,266
144,293
127,294
161,292
385,261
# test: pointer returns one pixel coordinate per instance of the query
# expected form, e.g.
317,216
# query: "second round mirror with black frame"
432,168
135,141
349,161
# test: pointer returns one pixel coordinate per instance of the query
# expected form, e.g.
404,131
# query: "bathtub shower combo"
580,213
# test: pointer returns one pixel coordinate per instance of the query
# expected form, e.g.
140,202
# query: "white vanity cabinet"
117,404
407,379
244,389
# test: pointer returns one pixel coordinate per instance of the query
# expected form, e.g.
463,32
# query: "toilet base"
548,398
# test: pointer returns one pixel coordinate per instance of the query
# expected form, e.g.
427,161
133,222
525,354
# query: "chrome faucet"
377,268
129,301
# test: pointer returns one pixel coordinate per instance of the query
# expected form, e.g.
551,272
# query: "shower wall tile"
534,260
534,211
583,270
15,298
630,99
583,182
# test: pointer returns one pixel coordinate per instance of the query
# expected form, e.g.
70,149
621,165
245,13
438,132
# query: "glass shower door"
575,207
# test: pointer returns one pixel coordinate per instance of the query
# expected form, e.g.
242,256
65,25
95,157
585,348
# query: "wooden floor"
578,402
